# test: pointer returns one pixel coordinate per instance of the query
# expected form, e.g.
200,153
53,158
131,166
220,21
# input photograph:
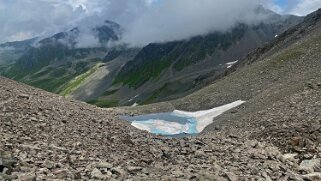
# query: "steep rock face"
163,71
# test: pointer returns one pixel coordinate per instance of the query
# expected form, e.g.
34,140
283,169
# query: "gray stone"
313,176
7,161
104,165
28,177
231,176
96,174
118,171
310,166
251,143
134,169
289,157
48,164
61,173
23,96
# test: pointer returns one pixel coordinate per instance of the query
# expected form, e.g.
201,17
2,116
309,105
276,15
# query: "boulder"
312,176
310,166
61,173
96,174
289,157
48,164
118,171
104,165
28,177
231,176
134,169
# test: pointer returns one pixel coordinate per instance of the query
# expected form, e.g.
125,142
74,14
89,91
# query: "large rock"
28,177
293,157
6,161
62,173
310,166
104,165
134,169
118,171
231,176
96,174
48,164
312,176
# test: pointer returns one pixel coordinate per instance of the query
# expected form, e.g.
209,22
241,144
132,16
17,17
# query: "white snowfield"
160,126
205,118
197,121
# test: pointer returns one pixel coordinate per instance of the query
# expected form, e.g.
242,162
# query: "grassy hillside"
285,65
72,85
52,78
155,58
53,61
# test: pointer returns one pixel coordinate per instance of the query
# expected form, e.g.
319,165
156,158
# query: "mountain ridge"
207,53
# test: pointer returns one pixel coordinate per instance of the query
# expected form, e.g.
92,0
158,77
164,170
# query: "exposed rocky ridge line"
45,136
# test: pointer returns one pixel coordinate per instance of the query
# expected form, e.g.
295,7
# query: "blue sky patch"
282,3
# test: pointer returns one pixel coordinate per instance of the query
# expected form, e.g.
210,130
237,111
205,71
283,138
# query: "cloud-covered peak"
143,21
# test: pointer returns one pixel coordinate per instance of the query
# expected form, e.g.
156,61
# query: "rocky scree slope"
45,136
282,86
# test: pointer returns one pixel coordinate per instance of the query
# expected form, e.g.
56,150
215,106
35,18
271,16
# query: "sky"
143,21
296,7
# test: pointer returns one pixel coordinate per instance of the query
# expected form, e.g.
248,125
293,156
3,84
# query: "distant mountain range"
51,63
119,75
163,71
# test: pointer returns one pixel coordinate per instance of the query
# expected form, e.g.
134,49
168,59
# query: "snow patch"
161,127
195,121
130,100
205,118
135,105
230,64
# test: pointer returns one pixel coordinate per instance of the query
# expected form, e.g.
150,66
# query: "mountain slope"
53,62
100,80
46,137
124,76
163,71
11,51
281,84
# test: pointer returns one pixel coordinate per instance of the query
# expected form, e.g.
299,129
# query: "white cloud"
178,19
29,18
305,7
274,7
144,21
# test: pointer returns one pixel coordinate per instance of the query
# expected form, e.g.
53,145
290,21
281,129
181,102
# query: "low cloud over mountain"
143,21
